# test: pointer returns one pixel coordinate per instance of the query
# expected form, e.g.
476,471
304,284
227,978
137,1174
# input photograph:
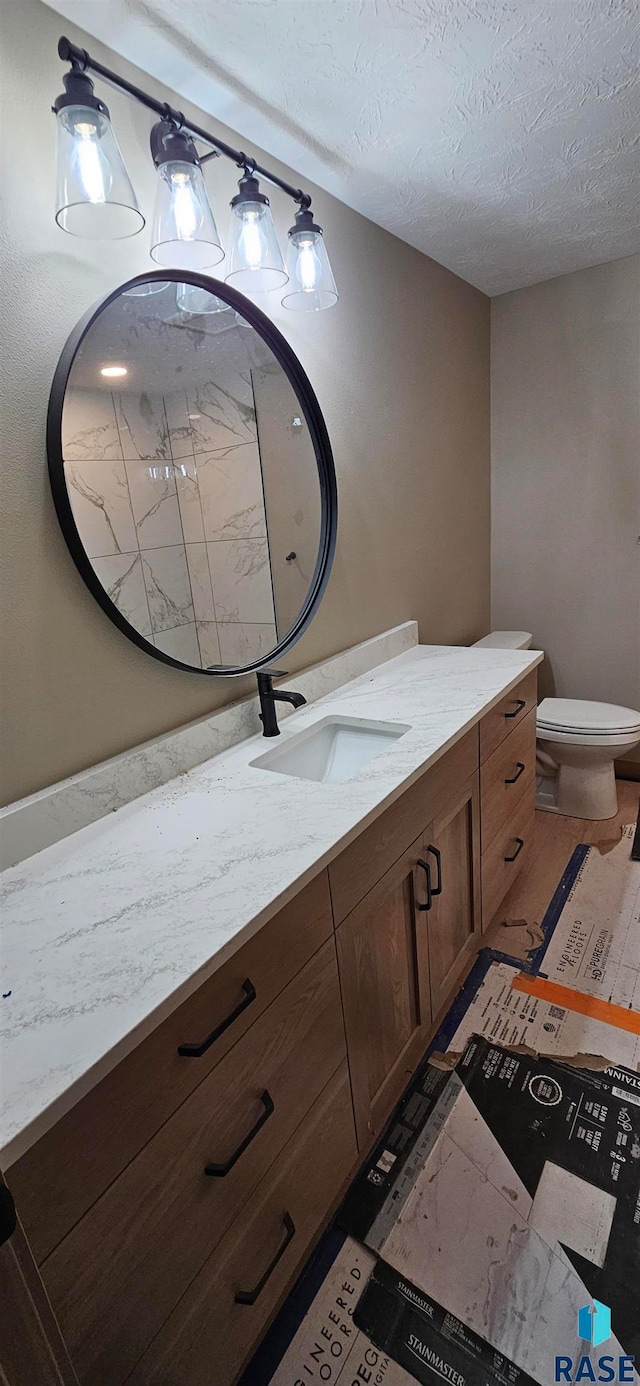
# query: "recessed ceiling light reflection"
113,372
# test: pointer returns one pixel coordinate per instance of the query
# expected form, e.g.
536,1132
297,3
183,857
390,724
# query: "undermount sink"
332,750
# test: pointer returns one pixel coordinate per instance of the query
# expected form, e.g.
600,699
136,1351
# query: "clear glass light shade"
311,282
254,253
184,233
94,194
191,299
153,286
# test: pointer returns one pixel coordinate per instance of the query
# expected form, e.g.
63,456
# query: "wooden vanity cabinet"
508,790
400,952
313,1029
145,1239
108,1127
211,1333
406,937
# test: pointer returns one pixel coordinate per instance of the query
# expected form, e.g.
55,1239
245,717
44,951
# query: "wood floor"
515,927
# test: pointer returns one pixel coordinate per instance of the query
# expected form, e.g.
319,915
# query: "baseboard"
627,769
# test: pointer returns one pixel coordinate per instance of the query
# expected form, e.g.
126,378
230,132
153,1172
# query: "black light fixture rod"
82,60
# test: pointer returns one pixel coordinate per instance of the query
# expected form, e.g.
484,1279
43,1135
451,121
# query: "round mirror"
192,473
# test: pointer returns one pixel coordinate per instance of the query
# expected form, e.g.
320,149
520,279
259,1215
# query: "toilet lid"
575,714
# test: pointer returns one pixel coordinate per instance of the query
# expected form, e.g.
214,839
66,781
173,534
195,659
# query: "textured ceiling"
498,136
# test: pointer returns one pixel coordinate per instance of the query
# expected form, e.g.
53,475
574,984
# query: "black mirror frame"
301,384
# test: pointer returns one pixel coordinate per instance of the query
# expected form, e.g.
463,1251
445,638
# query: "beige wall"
566,477
401,371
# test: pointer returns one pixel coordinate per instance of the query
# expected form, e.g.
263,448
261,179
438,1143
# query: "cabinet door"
452,850
384,975
31,1348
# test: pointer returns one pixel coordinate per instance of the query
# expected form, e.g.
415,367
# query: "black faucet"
269,696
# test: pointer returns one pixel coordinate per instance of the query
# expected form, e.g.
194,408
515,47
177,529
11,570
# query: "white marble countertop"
107,931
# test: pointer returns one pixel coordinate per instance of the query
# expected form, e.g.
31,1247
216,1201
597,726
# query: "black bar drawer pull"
520,842
430,891
195,1051
520,703
219,1171
519,772
250,1296
437,889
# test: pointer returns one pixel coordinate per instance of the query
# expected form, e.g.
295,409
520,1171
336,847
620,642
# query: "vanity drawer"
511,709
119,1273
508,773
353,874
107,1128
209,1337
506,855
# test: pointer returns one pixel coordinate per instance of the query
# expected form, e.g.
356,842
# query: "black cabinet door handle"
195,1051
427,871
519,772
250,1296
436,889
520,703
219,1171
520,842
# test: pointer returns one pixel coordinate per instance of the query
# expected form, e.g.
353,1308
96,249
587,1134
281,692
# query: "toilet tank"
506,640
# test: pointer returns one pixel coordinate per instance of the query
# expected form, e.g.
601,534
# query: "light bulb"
308,267
252,245
90,166
184,211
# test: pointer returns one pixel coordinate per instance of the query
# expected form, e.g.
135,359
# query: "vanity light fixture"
256,263
94,194
95,197
113,372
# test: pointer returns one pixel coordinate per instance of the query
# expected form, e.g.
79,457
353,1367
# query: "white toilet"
578,742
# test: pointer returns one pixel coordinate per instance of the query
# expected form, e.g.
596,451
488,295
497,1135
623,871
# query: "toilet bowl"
581,740
577,743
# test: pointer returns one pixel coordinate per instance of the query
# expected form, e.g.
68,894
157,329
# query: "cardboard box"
516,1203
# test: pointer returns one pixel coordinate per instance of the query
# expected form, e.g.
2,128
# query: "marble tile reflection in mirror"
192,480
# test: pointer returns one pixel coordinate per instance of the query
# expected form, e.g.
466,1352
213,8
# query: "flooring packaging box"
508,1192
